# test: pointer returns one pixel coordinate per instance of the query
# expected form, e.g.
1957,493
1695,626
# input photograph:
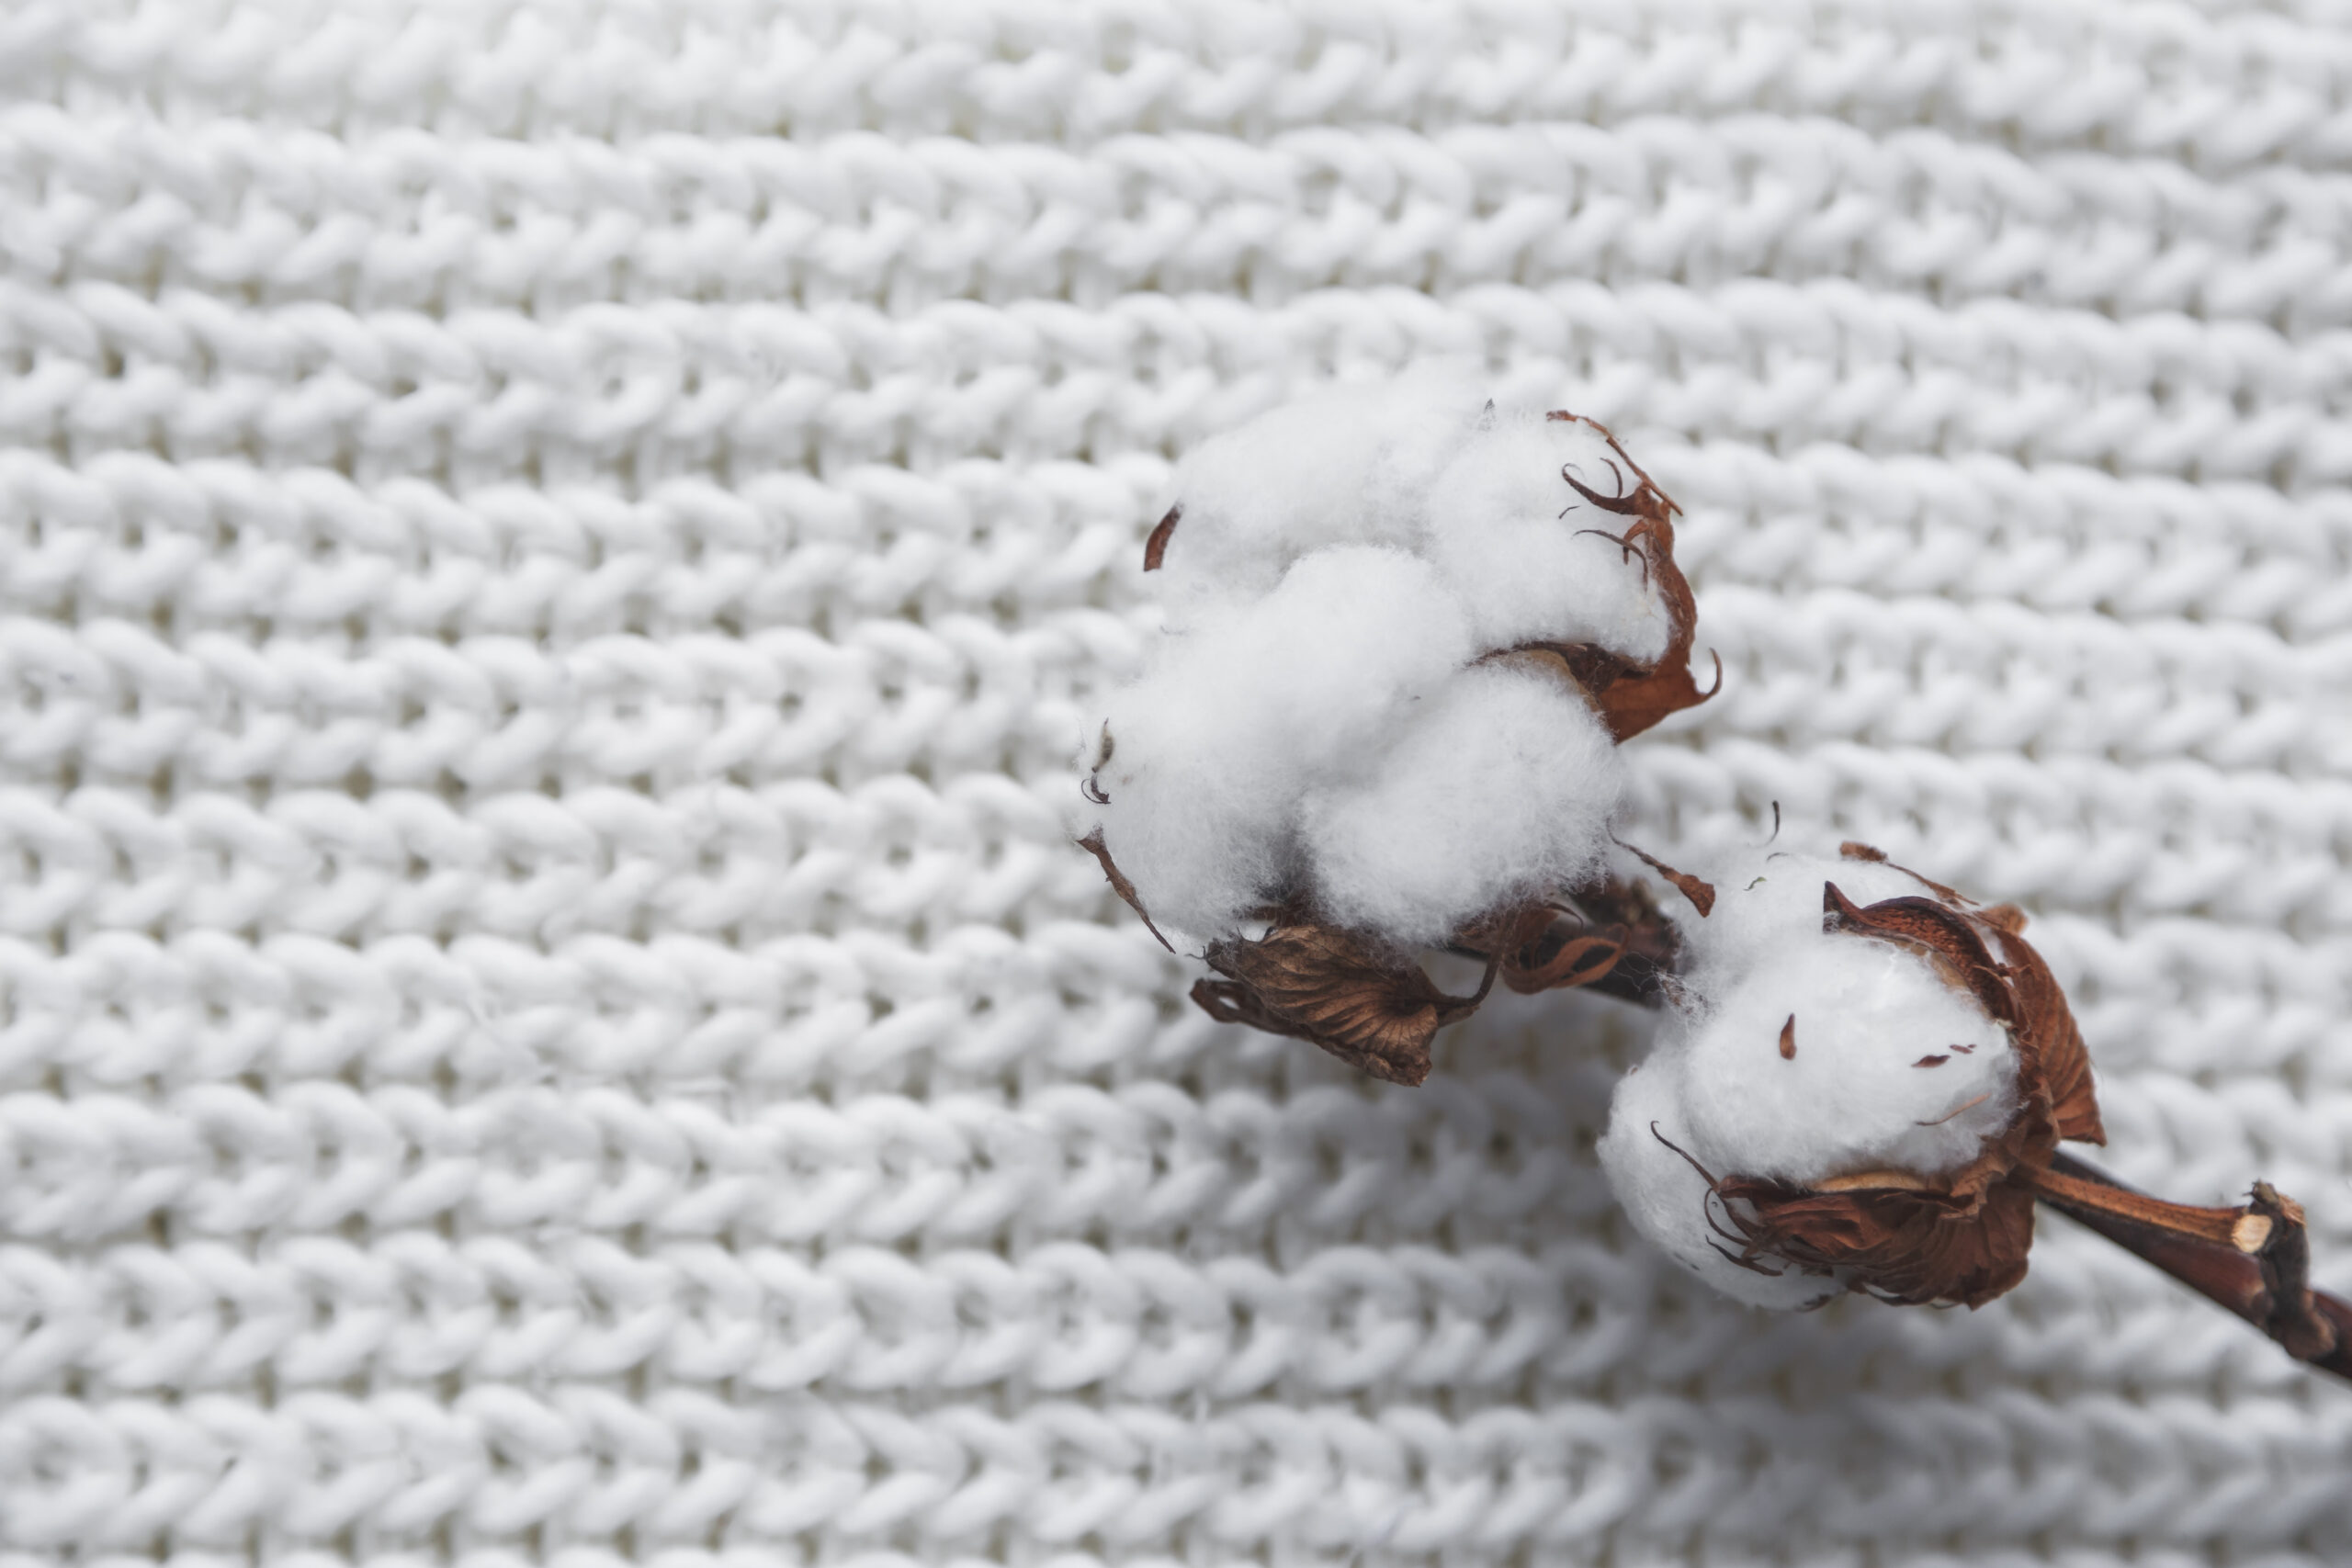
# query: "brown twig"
2253,1259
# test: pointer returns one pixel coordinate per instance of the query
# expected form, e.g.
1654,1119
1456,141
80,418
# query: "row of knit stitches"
2212,91
737,215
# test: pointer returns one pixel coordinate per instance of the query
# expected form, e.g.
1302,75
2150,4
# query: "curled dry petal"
1608,936
1373,1009
1701,894
1960,1238
1629,697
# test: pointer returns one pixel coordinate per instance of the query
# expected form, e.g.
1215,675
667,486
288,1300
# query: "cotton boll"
1885,1066
1498,786
1512,538
1841,1085
1350,464
1243,713
1668,1200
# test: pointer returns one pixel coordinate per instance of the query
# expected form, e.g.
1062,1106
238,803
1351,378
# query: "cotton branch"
2253,1259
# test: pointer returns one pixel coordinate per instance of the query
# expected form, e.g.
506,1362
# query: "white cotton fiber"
1887,1067
1248,709
1854,1097
1668,1200
1499,787
1317,721
1348,466
1526,553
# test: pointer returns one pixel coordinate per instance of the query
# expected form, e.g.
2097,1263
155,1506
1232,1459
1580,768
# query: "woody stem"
2253,1259
2239,1229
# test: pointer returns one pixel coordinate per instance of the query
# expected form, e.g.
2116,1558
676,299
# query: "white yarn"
552,559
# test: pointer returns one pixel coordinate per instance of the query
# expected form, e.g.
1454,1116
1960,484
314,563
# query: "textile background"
553,562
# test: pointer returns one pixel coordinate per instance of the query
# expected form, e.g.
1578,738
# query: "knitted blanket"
555,560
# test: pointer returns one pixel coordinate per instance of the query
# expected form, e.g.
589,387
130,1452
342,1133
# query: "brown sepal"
2045,1033
1534,952
1607,937
1630,698
1155,548
1370,1008
1092,845
1626,904
1906,1246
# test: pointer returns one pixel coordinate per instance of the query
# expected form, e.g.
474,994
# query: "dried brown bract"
1373,1009
1608,936
1630,697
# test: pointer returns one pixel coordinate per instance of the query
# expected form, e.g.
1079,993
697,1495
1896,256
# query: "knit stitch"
553,563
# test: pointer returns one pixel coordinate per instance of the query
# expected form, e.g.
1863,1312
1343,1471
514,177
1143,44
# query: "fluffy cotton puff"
1668,1200
1765,898
1349,464
1891,1067
1250,708
1499,785
1525,551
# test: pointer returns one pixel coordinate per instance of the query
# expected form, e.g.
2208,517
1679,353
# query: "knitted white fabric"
554,561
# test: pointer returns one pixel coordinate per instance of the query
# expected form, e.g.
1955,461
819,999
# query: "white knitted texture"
553,564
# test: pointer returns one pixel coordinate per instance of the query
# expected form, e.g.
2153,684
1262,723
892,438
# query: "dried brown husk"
1960,1238
1370,1007
1373,1006
1607,936
1632,697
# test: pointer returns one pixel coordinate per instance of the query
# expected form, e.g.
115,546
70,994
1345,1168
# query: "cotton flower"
1404,629
1859,1083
